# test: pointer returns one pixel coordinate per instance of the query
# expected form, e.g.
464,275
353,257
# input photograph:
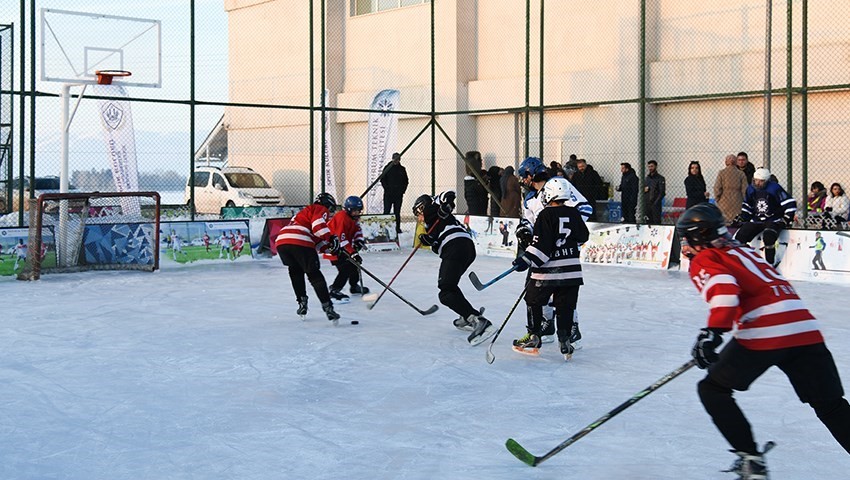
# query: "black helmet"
420,204
327,200
701,224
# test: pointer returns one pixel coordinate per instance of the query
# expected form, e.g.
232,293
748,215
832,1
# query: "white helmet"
557,188
762,174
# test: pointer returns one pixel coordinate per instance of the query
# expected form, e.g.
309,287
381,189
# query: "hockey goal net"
74,232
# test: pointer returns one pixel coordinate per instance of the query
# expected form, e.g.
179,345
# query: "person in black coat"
494,177
474,192
629,188
588,183
695,188
394,181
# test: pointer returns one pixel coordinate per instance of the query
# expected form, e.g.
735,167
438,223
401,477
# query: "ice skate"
566,350
329,311
749,467
482,329
528,345
337,295
302,308
575,337
358,290
548,330
463,324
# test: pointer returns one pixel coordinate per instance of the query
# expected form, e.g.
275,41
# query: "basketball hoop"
104,77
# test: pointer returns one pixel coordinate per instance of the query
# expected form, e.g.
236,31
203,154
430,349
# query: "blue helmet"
530,166
352,203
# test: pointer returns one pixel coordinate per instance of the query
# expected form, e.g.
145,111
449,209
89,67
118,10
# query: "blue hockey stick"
481,286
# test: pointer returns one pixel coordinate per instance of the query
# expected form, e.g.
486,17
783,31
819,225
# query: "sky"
205,372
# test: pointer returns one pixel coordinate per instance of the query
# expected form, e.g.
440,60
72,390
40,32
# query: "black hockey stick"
429,311
490,357
532,460
387,286
481,286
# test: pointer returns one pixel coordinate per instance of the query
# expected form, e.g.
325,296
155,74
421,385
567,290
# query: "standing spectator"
837,206
394,181
653,193
511,193
473,191
745,166
767,208
494,179
772,326
629,188
819,246
695,188
730,188
588,183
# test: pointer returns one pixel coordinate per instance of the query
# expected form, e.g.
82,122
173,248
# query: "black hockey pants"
564,298
456,256
304,261
346,272
749,230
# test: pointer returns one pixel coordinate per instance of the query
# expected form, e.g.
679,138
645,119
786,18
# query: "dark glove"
828,209
521,264
447,203
704,351
359,244
333,245
426,239
356,257
524,234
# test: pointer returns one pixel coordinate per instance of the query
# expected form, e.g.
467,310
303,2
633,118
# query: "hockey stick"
481,286
490,357
532,460
387,286
429,311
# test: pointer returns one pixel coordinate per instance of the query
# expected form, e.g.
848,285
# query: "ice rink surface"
205,372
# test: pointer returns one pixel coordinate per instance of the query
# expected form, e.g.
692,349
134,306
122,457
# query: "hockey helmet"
530,166
421,203
701,224
327,200
555,189
352,203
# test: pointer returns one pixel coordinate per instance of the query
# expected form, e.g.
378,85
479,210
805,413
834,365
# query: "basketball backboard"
74,45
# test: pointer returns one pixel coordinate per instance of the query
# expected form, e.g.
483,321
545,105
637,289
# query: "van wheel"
230,204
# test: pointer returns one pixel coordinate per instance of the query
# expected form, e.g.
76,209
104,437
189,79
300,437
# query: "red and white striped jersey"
308,228
743,290
347,230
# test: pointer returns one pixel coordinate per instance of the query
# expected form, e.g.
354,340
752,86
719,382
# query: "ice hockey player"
555,266
297,244
533,175
767,208
346,226
450,240
773,327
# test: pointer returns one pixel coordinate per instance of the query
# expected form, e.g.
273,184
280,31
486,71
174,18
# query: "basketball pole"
64,181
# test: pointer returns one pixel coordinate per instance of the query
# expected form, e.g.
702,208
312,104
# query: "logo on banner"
386,105
112,115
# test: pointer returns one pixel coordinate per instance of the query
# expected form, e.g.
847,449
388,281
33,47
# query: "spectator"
653,193
815,203
729,189
767,208
588,183
837,206
555,169
695,188
629,188
745,166
511,193
394,180
494,179
473,191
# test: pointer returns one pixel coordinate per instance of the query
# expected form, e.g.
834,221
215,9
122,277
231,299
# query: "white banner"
383,132
330,184
117,120
640,246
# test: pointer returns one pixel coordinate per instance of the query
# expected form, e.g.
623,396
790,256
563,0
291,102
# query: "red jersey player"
297,244
772,327
346,226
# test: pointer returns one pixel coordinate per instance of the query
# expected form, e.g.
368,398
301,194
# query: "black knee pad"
709,390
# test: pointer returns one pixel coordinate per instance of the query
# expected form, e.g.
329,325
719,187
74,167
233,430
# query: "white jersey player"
20,252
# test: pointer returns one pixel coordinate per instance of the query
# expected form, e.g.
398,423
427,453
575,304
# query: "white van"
230,187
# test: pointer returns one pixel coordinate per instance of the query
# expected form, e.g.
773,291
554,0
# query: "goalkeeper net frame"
92,231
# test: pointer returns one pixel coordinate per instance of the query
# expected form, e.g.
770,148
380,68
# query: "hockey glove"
447,203
359,245
426,239
521,264
356,257
704,351
333,245
524,234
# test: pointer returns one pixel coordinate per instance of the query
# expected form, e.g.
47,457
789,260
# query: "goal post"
82,231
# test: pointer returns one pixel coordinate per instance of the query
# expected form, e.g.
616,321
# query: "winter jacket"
475,195
695,190
395,180
729,189
511,194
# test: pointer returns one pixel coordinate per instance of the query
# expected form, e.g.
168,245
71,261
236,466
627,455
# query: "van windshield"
46,184
246,180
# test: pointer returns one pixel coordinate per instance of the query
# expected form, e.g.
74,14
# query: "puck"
355,322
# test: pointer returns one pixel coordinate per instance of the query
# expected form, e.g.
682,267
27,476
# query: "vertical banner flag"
383,132
117,121
330,184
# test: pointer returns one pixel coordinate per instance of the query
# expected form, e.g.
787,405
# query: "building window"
362,7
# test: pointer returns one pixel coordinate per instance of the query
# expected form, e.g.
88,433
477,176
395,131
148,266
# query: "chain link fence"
630,81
